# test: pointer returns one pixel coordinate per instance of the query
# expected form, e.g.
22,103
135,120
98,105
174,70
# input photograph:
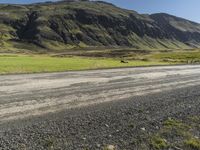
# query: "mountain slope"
68,24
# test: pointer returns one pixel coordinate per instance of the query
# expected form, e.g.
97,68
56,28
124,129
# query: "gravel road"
92,109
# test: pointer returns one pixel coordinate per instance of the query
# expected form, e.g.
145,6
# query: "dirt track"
35,107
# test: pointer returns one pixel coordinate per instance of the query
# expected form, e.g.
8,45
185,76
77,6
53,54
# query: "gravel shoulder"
119,123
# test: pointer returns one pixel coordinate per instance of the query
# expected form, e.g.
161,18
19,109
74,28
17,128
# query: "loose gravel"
116,124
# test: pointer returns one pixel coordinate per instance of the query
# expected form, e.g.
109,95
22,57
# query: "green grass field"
178,56
11,63
25,63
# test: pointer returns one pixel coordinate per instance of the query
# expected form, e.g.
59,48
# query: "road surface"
68,98
36,94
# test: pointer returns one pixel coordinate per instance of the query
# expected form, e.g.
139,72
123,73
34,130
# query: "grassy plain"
11,63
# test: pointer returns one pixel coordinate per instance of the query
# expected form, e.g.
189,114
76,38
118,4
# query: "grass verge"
178,134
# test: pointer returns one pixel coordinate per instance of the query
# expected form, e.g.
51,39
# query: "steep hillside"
71,24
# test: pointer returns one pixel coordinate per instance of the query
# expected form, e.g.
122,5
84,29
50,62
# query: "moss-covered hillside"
79,24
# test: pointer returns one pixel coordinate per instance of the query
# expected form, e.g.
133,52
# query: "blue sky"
188,9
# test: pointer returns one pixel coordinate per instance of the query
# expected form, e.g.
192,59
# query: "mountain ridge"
71,24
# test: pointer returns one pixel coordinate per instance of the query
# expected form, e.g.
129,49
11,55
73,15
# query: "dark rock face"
97,24
28,27
163,20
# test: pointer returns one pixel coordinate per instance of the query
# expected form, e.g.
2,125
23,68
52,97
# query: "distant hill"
82,23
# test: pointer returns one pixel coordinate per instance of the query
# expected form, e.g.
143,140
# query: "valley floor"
11,63
18,63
